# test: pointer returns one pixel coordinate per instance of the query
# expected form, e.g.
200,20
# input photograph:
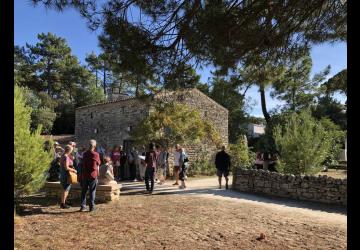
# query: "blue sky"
30,21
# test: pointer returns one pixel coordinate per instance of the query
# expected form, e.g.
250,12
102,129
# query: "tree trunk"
137,87
293,100
96,75
137,90
104,81
263,104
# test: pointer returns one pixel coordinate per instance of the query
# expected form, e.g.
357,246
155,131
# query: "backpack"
186,160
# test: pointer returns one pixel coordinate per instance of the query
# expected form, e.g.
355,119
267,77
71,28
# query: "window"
91,115
129,128
96,131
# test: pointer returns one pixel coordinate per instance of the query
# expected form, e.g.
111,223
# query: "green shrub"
30,159
201,164
241,156
337,137
303,144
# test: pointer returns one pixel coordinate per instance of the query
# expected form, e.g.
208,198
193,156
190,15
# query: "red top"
91,162
150,159
115,156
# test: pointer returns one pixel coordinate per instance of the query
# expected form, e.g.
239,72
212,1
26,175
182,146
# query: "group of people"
95,165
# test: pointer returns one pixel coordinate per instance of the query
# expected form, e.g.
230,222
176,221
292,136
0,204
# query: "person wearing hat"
58,150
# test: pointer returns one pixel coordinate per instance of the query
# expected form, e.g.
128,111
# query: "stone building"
110,123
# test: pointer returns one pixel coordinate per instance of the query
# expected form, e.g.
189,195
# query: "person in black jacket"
222,163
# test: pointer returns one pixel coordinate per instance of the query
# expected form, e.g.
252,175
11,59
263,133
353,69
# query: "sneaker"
83,209
92,209
64,206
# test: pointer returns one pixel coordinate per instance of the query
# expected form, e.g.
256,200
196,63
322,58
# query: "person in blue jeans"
89,175
150,160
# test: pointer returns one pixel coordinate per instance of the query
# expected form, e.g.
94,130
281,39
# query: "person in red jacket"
89,175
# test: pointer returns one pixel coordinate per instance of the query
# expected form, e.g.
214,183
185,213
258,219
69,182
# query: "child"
106,173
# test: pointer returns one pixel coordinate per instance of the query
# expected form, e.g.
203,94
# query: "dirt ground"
335,173
198,218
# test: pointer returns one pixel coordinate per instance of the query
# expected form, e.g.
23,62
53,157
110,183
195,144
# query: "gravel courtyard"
200,217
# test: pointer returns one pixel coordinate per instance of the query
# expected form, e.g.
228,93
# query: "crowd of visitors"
97,165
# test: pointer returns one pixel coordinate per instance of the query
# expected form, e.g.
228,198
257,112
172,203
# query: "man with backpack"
222,163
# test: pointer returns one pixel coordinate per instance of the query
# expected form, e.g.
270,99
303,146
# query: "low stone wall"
104,193
312,188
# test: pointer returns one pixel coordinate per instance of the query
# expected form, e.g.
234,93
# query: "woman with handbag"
66,168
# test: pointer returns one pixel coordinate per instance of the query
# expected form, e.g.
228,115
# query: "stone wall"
111,120
104,193
312,188
209,110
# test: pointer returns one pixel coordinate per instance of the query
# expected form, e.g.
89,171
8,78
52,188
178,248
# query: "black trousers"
122,172
132,168
182,172
149,175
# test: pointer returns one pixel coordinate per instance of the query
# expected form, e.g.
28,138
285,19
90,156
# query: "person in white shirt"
177,155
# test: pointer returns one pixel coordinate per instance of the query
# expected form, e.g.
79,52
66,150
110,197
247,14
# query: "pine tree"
30,159
303,144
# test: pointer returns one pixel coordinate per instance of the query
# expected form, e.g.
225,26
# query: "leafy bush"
303,144
201,164
337,137
170,123
241,156
30,159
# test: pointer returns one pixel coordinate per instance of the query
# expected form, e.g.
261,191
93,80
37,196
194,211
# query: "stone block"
103,192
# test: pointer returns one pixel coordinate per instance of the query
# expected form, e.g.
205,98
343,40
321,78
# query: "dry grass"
173,222
335,173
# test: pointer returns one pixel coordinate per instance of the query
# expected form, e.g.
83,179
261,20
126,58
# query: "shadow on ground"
139,189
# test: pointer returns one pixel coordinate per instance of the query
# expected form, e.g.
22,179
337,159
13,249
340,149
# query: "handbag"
72,178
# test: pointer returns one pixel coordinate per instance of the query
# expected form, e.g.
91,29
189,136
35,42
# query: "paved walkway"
208,187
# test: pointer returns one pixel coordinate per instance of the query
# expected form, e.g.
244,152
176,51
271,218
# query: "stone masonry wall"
104,193
209,110
113,118
312,188
110,119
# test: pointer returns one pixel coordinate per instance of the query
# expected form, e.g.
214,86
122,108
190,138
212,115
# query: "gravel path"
199,217
208,188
